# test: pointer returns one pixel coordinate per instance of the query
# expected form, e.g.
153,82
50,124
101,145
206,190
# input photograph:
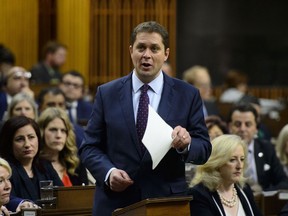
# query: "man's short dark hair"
53,90
52,47
247,107
150,27
74,73
6,56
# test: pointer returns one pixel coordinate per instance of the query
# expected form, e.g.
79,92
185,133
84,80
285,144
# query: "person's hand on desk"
181,138
26,204
119,180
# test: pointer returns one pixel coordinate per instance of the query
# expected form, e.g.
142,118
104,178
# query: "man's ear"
167,51
131,49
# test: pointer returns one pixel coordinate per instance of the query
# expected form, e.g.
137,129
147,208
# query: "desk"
271,205
76,200
157,207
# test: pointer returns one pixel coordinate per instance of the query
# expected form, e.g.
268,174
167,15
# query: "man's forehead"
243,116
51,96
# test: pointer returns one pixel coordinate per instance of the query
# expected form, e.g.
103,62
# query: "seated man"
199,77
264,168
47,71
72,85
15,81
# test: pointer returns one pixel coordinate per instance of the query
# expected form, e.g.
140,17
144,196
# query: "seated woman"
282,148
216,126
19,145
22,104
59,146
219,186
6,201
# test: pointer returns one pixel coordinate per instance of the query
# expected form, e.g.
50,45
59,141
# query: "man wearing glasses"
72,85
15,81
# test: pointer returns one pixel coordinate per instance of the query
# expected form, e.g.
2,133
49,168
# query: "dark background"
251,36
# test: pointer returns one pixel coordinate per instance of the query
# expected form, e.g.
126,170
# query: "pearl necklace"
229,202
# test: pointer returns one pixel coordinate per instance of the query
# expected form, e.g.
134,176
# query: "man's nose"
147,53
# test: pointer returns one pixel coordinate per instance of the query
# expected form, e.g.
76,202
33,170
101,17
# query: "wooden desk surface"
76,200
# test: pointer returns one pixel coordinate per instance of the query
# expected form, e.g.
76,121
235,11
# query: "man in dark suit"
72,85
199,77
264,168
111,149
47,70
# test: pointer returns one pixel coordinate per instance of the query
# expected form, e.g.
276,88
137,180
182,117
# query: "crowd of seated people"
37,141
22,118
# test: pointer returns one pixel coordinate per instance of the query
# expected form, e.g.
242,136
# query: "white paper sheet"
157,137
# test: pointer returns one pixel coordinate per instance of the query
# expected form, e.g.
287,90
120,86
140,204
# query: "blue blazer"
84,109
208,203
110,140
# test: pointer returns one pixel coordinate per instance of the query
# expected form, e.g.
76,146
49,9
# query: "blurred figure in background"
216,126
199,77
235,86
72,85
166,67
282,148
47,71
22,105
7,61
15,81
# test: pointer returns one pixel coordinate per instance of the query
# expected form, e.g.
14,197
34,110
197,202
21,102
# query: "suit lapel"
258,160
165,105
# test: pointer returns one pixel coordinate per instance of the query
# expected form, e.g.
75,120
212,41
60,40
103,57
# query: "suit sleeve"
200,147
94,145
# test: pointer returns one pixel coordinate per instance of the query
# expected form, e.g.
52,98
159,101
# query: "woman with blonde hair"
59,146
218,187
5,185
282,148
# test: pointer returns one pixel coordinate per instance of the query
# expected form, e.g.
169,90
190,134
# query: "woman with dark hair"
216,126
19,145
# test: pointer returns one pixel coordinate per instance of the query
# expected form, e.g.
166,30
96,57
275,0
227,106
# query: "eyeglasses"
20,74
74,85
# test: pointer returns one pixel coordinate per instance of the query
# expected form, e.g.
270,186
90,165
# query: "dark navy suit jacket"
84,110
40,74
208,203
24,187
110,140
270,173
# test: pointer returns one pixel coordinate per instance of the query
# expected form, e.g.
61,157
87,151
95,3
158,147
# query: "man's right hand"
119,180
